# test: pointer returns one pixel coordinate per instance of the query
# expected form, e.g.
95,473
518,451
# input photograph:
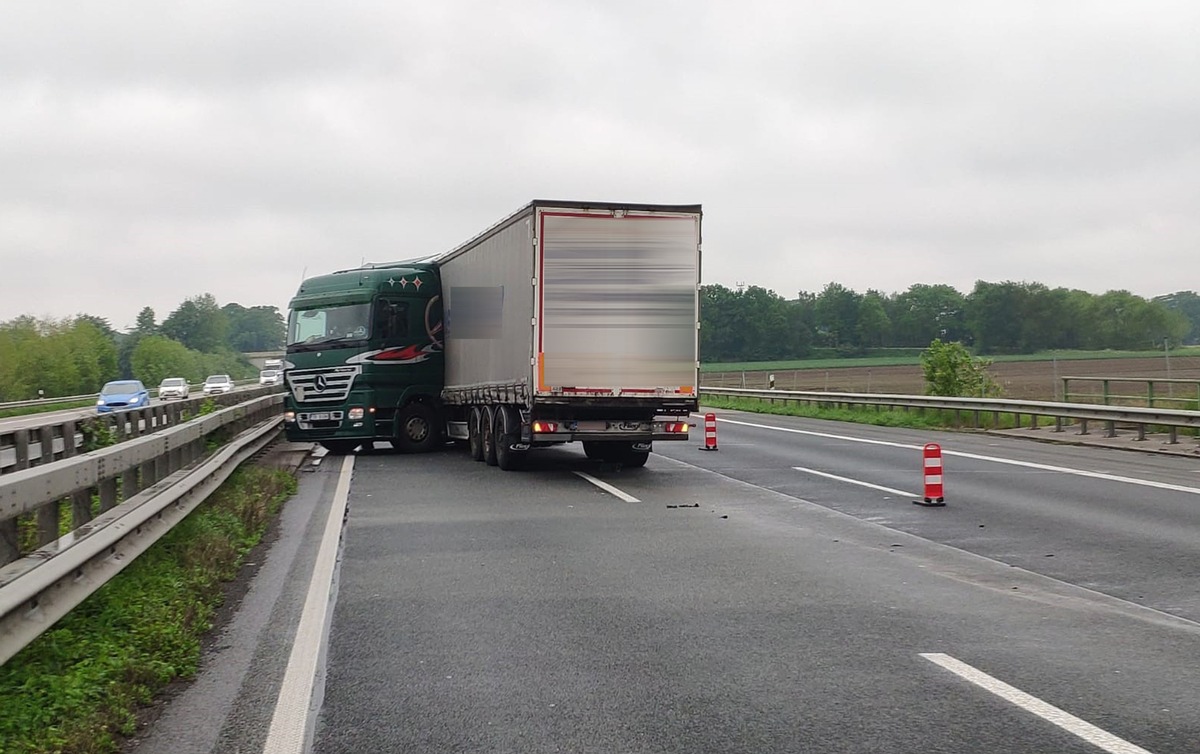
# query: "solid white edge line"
976,457
289,724
901,493
1063,719
608,488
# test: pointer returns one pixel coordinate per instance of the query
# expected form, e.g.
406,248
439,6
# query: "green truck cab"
365,359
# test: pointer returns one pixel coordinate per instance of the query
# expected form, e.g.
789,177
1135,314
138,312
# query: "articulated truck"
565,322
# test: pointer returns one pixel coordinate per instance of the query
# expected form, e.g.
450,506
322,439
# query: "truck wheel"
632,459
593,450
416,428
474,435
506,424
487,432
340,447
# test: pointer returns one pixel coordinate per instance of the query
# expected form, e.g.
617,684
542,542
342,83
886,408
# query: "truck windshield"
331,324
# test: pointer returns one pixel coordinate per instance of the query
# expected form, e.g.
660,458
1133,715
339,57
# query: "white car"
217,383
270,377
173,387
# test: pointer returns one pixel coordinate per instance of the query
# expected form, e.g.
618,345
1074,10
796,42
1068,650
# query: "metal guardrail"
92,396
47,440
159,479
1082,413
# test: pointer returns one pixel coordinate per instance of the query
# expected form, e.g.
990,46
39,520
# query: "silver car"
217,383
173,387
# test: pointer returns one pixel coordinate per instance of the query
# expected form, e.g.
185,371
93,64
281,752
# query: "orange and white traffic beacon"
934,495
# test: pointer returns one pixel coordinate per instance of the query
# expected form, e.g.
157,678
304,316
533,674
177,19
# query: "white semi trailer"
573,322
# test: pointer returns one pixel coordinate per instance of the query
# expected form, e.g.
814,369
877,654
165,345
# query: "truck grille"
322,385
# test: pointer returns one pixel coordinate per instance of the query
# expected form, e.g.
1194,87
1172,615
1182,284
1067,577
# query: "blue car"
121,395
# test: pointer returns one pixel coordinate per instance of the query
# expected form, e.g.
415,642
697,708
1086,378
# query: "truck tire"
594,450
416,428
633,459
340,447
474,435
506,431
486,431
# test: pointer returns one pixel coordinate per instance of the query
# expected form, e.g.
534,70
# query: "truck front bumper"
303,424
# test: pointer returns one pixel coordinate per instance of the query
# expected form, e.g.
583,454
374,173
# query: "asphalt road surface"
780,595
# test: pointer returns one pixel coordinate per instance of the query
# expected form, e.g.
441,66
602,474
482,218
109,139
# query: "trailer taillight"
677,427
541,426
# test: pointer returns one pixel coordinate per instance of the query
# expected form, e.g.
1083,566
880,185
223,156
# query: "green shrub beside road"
78,687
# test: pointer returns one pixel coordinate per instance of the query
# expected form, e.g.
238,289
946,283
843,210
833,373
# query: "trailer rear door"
618,302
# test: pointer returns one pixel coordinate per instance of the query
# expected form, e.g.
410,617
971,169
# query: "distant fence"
977,409
1133,391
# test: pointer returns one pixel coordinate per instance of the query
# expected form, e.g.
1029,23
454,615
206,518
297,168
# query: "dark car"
120,395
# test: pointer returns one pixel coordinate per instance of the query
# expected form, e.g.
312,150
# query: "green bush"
951,371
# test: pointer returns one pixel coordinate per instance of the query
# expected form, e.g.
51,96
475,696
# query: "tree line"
756,324
76,356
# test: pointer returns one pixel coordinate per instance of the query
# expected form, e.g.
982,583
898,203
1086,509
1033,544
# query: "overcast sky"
154,151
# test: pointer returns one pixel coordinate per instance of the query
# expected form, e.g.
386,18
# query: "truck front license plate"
321,417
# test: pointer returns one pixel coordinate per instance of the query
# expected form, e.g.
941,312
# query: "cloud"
157,152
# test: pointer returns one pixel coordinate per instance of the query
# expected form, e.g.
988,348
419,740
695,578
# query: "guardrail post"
47,522
21,447
45,445
81,508
1104,391
147,472
129,483
1083,426
1058,424
1172,435
108,493
8,541
68,431
1110,429
1150,393
1141,430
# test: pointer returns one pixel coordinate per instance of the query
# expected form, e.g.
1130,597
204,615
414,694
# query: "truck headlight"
356,413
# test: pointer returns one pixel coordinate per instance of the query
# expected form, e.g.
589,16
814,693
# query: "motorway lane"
13,423
1136,542
486,611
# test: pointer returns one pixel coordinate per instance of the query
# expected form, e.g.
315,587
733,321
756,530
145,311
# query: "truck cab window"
391,321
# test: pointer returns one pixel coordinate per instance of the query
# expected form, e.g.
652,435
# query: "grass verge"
78,687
